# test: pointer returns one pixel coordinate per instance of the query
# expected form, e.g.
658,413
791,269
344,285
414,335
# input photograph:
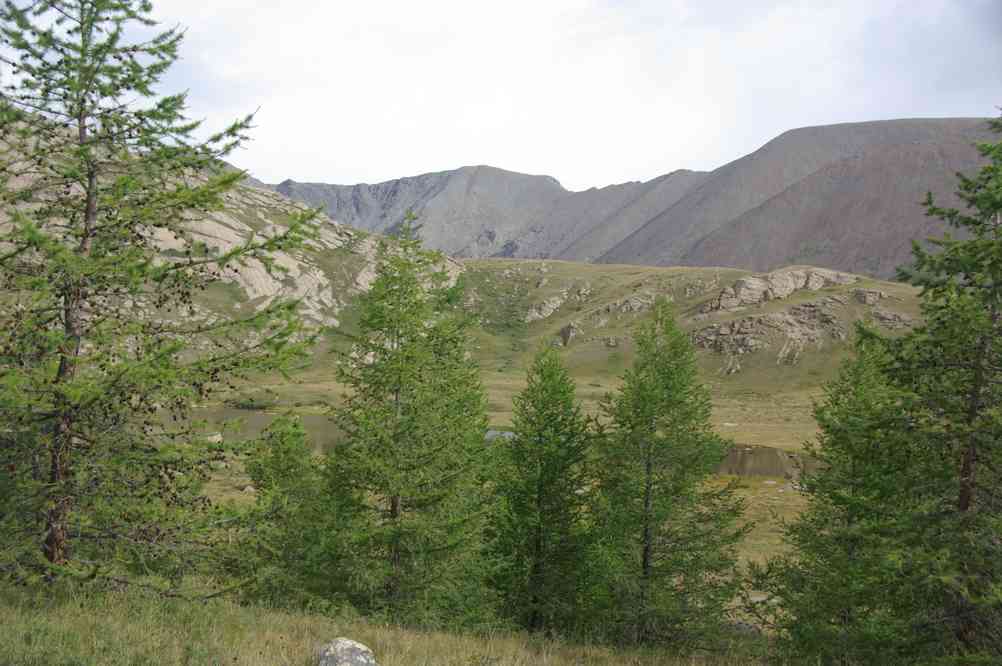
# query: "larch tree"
846,591
103,346
953,362
413,455
898,558
540,530
667,534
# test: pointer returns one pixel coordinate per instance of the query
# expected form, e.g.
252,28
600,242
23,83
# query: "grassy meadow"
766,404
115,629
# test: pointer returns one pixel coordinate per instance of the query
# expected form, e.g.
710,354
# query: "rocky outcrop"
323,275
759,289
569,332
791,331
891,320
345,652
545,309
869,296
635,303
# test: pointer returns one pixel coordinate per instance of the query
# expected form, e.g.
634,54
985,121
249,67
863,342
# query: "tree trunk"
969,456
535,620
56,546
395,554
647,550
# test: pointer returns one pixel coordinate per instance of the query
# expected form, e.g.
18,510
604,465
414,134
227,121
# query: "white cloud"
590,92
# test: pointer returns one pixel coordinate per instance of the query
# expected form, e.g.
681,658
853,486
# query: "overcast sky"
590,92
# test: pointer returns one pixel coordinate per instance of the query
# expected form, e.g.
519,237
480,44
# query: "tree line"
570,526
610,528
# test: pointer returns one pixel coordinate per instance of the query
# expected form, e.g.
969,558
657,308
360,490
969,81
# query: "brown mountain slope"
857,214
942,146
654,197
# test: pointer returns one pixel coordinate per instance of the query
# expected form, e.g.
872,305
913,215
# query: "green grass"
111,629
766,404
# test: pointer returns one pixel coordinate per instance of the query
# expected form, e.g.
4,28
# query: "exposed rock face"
569,332
869,296
740,337
641,301
892,320
296,274
546,308
758,289
791,331
346,652
324,275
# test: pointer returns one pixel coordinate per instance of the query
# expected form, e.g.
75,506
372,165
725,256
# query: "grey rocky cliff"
759,289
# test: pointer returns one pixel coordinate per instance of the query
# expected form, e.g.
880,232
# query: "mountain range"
846,197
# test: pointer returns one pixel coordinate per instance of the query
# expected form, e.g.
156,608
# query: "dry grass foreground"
119,629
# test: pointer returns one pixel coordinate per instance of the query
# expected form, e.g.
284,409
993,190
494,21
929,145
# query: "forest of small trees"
607,528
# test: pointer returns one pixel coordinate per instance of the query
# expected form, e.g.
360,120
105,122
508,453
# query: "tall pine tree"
412,461
100,334
540,534
667,534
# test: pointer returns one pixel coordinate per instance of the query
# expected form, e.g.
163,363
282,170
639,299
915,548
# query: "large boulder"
346,652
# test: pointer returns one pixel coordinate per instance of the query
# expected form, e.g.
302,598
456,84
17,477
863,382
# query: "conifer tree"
847,592
539,530
413,456
899,557
296,538
667,534
953,362
100,332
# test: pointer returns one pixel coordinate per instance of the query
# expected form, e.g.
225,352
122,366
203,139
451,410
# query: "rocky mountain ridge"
845,197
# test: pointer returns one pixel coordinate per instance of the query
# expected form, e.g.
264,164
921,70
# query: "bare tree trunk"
56,545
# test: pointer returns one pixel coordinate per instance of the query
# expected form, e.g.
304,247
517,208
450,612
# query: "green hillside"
762,380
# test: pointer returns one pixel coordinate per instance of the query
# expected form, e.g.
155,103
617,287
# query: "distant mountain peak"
842,196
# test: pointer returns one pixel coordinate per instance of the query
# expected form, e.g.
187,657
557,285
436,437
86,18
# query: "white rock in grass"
346,652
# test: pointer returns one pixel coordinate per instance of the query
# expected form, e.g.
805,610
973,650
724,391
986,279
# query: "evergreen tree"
100,335
953,362
413,456
667,534
848,591
899,556
296,539
540,536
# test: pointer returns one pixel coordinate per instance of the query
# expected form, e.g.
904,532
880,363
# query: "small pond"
741,461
